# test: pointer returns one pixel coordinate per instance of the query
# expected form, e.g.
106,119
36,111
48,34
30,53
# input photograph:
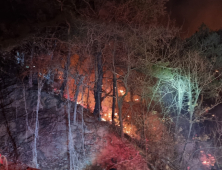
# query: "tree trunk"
72,153
120,117
70,137
114,98
40,85
83,123
65,76
98,86
120,103
76,97
31,67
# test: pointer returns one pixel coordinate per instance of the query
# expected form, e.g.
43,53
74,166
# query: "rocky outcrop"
96,144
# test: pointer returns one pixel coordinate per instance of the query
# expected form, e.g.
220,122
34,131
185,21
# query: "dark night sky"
190,14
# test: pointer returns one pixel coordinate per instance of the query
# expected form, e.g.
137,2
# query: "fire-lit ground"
103,148
120,154
207,159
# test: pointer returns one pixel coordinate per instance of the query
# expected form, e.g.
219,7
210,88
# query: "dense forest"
85,66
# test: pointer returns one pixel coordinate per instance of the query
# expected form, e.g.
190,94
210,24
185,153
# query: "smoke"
190,14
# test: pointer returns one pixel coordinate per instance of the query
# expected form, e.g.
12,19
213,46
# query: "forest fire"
121,92
106,84
207,159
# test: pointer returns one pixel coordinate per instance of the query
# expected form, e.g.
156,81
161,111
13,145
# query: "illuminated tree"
41,68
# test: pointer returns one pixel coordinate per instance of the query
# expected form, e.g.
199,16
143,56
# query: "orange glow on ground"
207,159
123,153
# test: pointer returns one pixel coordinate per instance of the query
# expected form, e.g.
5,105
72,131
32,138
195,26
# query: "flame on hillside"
86,97
207,159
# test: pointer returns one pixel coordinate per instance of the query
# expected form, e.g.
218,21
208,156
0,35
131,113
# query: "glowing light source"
116,114
205,162
103,119
128,116
121,91
136,99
